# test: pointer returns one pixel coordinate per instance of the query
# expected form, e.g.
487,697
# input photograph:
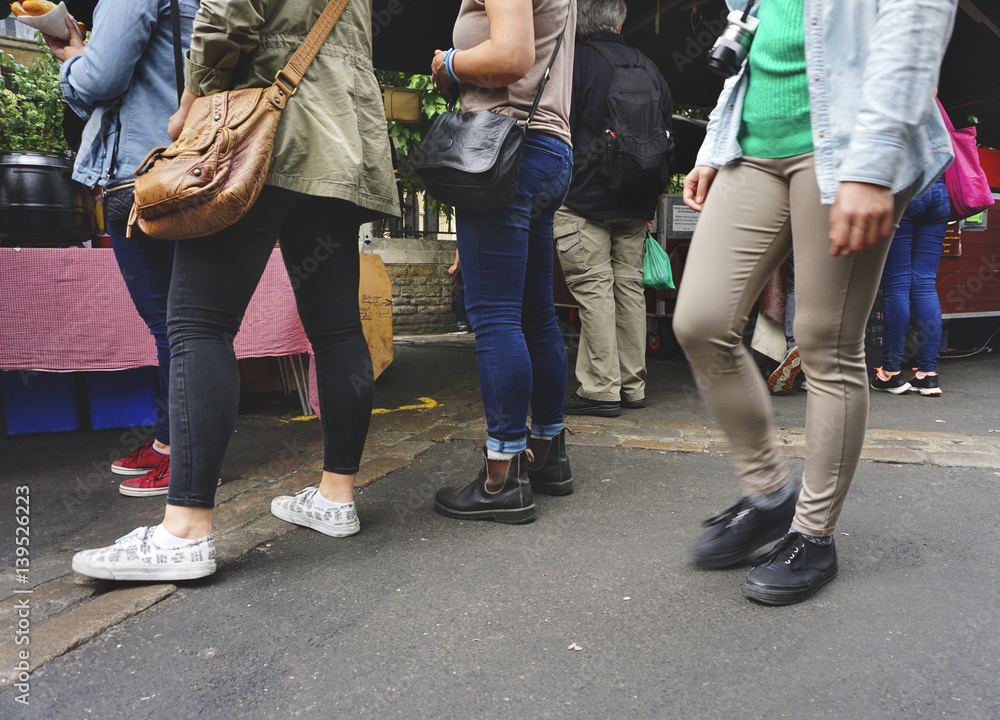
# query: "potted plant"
39,202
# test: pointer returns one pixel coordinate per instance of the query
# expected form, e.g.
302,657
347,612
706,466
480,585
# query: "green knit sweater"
775,121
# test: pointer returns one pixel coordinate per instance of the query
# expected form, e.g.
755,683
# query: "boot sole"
776,595
557,489
895,391
520,516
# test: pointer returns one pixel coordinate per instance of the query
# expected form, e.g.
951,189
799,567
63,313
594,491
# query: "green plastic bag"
656,272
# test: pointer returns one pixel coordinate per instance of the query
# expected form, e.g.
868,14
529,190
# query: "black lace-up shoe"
741,530
576,405
793,571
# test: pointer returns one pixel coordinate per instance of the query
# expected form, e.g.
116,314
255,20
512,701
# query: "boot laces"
787,549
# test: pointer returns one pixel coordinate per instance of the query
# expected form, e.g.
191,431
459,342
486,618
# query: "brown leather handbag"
212,174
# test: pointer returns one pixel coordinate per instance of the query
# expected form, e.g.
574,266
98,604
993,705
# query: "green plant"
407,136
31,104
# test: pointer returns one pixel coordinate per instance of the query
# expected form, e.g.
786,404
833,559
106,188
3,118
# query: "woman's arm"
504,59
223,32
103,69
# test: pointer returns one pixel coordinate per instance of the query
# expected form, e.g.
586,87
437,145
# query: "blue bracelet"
449,68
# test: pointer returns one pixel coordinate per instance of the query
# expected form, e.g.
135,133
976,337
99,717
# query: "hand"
862,215
63,50
452,269
176,123
697,184
439,75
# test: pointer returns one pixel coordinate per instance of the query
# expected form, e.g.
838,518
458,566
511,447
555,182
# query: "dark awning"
676,34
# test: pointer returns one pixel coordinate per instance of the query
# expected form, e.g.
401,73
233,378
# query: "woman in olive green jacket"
330,172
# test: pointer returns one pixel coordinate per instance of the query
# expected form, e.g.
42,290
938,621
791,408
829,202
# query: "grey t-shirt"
473,27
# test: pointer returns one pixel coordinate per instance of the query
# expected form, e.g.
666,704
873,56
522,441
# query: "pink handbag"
968,188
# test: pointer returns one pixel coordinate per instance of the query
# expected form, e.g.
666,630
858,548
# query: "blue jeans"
507,257
146,265
909,278
214,279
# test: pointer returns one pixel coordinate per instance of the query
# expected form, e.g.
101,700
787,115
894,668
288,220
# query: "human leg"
741,238
584,248
628,242
897,278
507,257
834,300
146,265
928,239
319,249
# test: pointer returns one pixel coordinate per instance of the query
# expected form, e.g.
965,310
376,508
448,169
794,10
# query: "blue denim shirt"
873,69
130,55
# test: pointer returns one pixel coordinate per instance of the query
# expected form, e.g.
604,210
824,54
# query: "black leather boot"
548,469
502,492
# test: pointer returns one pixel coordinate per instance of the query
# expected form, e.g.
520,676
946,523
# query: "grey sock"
821,541
771,500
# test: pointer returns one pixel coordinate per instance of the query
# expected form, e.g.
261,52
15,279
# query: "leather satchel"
212,174
472,160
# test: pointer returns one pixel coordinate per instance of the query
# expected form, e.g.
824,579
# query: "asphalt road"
593,611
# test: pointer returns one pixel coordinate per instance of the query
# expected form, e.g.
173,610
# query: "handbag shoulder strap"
548,69
175,28
289,77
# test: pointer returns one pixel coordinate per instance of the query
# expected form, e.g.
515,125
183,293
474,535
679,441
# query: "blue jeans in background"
146,265
507,257
908,281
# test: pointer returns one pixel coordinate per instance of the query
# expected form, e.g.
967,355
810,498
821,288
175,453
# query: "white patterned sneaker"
300,509
135,557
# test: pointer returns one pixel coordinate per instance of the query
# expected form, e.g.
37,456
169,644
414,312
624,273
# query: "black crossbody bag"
472,160
117,194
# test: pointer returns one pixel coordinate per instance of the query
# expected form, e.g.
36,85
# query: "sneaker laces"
785,550
155,475
732,516
134,455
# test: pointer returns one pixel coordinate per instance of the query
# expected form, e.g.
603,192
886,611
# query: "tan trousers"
756,212
602,263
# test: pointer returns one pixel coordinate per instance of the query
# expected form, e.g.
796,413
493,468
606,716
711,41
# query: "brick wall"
421,285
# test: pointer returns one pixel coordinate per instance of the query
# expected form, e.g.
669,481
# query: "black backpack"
638,146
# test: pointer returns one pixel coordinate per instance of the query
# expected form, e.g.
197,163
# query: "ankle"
189,523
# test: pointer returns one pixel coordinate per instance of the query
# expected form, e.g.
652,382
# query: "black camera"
731,49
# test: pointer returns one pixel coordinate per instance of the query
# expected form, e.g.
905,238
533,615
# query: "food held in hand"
15,7
37,7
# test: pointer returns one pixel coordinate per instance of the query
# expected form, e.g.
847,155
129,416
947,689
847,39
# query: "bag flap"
211,113
469,141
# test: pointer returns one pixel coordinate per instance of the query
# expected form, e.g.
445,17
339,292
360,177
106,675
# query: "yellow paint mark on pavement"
425,404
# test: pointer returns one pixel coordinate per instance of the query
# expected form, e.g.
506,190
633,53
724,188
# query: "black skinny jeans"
213,281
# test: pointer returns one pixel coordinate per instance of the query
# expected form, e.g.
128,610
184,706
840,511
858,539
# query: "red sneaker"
138,462
155,482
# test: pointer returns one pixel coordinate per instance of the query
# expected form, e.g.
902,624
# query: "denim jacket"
873,69
130,55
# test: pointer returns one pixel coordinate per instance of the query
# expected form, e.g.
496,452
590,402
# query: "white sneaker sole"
129,471
337,531
140,492
180,571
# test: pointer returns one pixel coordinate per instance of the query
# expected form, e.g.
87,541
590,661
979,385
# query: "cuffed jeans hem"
547,430
506,446
634,397
191,503
814,532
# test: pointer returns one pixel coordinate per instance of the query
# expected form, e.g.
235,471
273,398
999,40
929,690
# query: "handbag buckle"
278,77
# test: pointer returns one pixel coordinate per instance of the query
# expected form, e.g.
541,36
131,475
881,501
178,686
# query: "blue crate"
39,402
123,398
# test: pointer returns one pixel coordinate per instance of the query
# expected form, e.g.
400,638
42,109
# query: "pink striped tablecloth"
67,309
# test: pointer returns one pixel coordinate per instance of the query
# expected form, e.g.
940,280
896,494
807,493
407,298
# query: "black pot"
40,204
